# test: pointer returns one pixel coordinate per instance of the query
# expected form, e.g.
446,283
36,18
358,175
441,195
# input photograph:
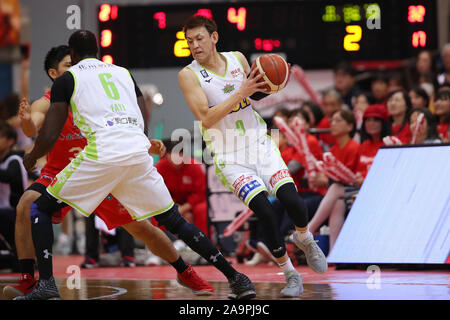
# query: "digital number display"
311,33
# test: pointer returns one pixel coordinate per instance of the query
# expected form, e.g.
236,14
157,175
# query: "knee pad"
171,219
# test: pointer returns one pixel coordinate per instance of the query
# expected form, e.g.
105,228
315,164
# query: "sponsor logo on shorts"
247,188
237,185
277,177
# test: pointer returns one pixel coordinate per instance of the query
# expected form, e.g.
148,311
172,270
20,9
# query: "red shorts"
111,211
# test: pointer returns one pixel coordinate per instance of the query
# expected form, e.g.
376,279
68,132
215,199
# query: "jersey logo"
236,72
205,75
241,105
228,88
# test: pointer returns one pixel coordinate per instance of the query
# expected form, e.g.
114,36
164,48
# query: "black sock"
42,229
195,239
180,265
27,266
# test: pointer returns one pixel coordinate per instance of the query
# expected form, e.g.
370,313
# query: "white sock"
286,266
304,235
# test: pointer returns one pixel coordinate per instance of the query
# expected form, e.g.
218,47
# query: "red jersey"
442,129
404,135
348,155
366,154
69,143
327,138
289,153
187,184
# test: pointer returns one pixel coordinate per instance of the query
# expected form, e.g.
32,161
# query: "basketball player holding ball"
217,90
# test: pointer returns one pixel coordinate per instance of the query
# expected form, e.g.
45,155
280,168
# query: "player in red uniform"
36,200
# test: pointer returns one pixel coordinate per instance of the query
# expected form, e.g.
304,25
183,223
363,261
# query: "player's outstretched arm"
32,117
198,102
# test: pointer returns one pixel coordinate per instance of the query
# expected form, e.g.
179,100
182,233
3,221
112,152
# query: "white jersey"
242,126
105,109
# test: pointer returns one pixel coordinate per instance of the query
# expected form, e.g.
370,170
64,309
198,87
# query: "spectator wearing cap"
362,101
375,127
398,106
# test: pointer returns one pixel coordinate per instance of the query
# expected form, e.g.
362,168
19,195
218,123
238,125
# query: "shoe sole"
196,292
246,295
10,292
284,295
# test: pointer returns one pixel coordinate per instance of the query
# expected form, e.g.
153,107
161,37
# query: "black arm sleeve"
258,96
13,176
62,88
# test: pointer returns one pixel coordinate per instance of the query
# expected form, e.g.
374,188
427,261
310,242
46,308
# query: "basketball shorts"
258,168
85,183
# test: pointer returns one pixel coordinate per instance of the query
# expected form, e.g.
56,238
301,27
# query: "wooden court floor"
158,283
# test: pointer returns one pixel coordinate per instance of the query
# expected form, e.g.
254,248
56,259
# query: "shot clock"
311,33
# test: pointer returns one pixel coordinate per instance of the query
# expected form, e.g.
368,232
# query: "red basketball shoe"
26,284
191,280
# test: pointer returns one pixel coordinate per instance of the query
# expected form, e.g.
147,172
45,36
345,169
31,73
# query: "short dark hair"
423,94
346,67
301,111
200,21
7,131
83,43
349,117
54,57
315,109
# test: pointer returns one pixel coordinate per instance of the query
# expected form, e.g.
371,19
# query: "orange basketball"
276,71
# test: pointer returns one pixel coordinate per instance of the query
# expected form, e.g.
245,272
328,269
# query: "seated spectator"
398,106
419,98
444,76
442,113
427,133
395,81
186,181
344,82
13,181
343,127
362,101
332,101
379,88
315,113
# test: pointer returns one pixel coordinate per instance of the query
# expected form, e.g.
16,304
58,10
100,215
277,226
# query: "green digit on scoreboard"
240,127
109,86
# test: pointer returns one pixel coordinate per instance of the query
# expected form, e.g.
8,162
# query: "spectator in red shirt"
332,101
186,181
398,106
343,126
442,113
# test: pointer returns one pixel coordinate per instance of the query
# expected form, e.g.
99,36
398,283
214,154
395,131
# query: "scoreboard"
311,33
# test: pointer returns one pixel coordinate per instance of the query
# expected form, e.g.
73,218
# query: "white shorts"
85,183
253,170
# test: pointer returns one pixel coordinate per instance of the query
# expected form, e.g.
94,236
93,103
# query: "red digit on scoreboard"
105,38
161,18
419,38
108,12
238,17
416,13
